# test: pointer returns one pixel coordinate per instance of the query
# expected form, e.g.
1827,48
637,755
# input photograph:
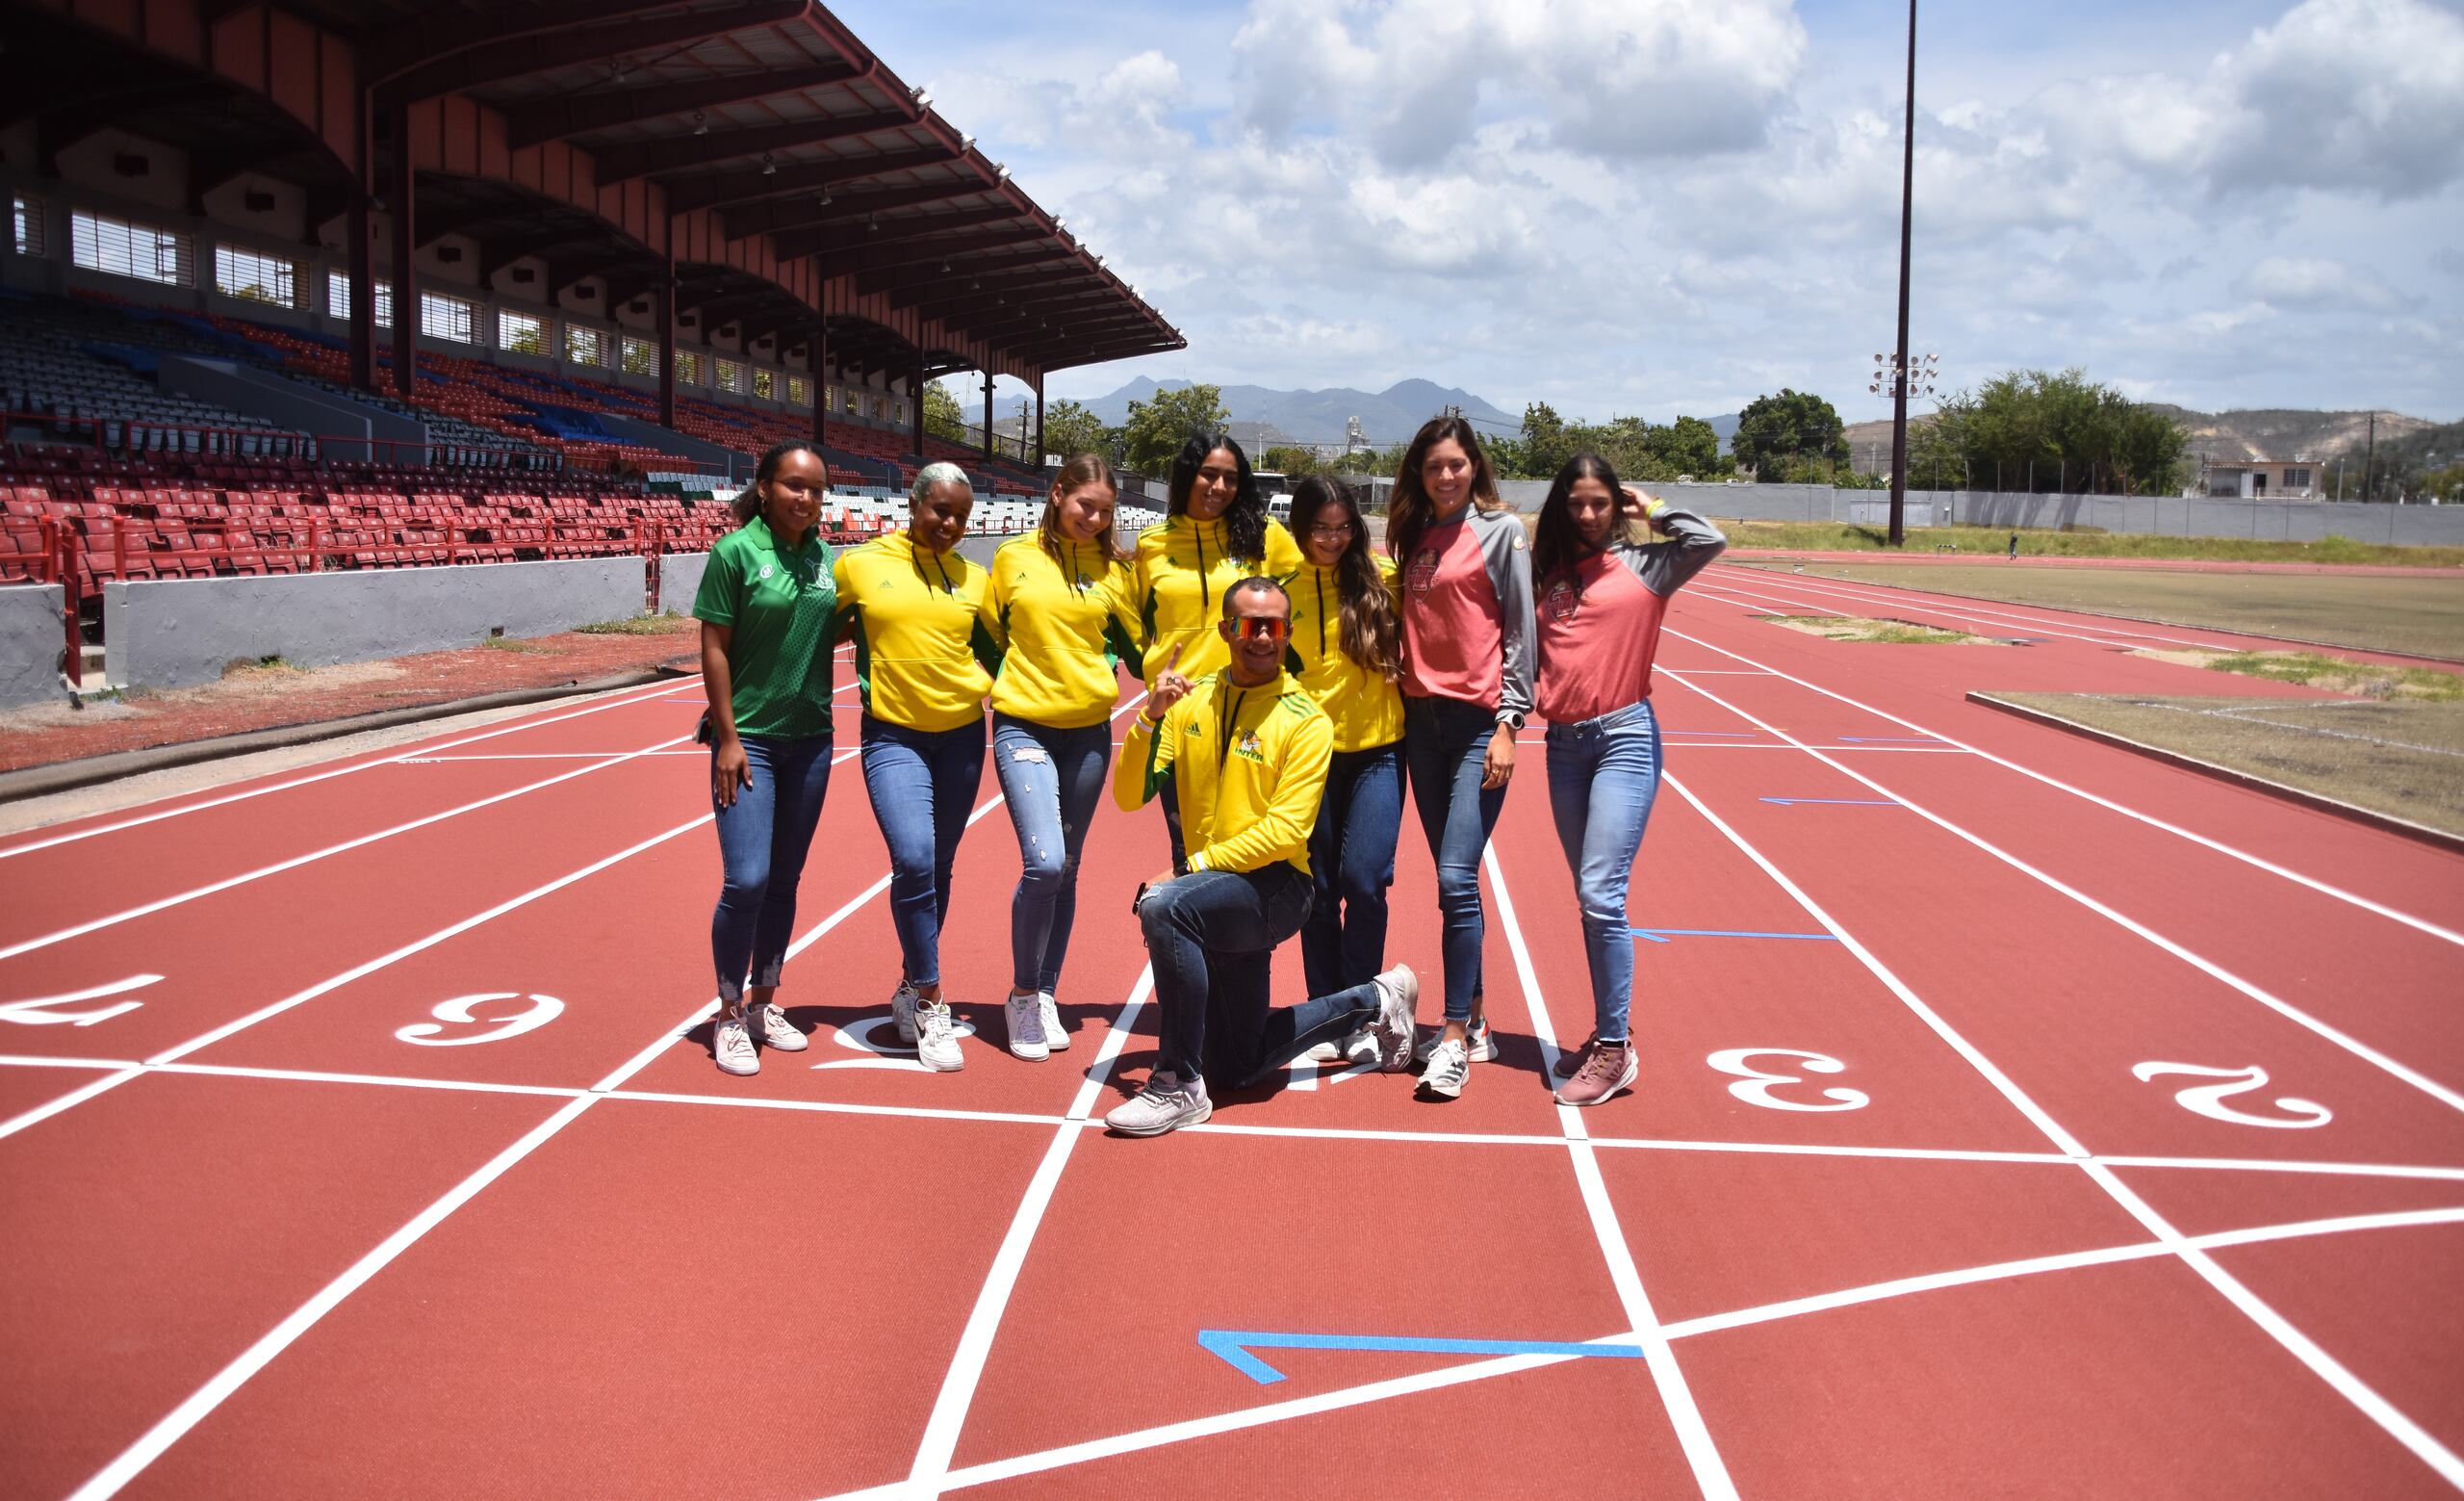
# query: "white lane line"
1989,621
2398,1426
211,888
72,836
1857,588
1508,1366
435,760
2256,861
2383,1062
966,1370
1693,1434
176,1424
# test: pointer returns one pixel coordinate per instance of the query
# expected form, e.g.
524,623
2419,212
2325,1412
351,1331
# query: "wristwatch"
1510,720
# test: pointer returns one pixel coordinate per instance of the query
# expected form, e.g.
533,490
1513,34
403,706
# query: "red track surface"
257,1244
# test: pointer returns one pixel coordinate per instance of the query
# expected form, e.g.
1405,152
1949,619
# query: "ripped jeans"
1052,779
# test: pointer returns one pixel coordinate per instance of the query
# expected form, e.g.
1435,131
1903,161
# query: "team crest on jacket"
1249,747
1424,571
1561,600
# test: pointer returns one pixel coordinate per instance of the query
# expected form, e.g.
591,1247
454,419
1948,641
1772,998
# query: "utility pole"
2369,458
1899,387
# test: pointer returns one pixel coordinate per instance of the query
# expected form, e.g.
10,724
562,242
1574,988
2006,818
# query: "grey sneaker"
1610,1067
732,1045
776,1030
937,1037
1399,992
1449,1066
1056,1037
1164,1104
901,1010
1025,1016
1483,1048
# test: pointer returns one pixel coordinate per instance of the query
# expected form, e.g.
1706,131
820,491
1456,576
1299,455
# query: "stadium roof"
795,180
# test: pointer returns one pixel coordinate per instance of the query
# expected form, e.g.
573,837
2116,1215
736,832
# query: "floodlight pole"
1899,382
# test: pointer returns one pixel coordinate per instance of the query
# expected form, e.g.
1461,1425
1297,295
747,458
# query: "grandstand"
640,240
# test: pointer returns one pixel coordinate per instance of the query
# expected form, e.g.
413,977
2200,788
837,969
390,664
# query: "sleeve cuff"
1197,862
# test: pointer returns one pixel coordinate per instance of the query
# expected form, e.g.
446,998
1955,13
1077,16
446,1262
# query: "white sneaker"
732,1045
1025,1014
1449,1065
937,1037
1359,1047
1164,1104
1483,1048
1055,1036
776,1030
1399,992
901,1010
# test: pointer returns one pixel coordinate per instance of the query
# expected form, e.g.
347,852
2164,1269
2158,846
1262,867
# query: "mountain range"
2222,436
1387,417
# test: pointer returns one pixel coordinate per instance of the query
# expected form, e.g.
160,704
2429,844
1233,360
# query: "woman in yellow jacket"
923,664
1346,651
1216,533
1060,608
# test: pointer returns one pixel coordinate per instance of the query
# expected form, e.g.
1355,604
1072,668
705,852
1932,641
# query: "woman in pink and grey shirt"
1601,595
1466,572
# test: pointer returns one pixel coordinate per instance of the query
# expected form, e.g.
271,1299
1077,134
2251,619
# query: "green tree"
1296,462
1546,442
944,417
1069,428
1794,425
2037,430
1157,428
1687,446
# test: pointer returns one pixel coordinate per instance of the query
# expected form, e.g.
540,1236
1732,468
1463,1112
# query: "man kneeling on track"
1248,751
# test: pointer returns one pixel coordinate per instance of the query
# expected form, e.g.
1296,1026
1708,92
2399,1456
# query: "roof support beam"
841,243
968,269
497,254
685,153
495,44
856,212
752,185
576,115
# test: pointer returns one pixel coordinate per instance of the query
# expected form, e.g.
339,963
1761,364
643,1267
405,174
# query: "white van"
1279,506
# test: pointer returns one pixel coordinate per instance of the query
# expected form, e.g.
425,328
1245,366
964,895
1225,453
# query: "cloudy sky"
1666,206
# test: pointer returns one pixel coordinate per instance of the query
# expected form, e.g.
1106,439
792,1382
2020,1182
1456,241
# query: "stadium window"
799,391
117,248
520,333
730,376
29,217
765,386
258,278
638,357
338,298
688,368
450,319
586,346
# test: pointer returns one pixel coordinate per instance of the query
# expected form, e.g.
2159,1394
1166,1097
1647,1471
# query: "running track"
2018,1116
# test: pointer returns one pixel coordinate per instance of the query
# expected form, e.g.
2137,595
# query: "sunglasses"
1260,628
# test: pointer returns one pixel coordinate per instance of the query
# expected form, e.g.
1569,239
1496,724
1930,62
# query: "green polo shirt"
779,604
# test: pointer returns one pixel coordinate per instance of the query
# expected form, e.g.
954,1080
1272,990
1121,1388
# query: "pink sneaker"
1611,1068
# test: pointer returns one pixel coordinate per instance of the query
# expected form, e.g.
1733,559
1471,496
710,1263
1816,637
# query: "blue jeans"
922,784
1445,744
1602,774
763,837
1352,853
1211,936
1052,779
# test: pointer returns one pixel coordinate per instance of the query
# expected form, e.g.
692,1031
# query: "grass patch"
2403,758
640,625
512,643
2341,675
2078,542
1886,633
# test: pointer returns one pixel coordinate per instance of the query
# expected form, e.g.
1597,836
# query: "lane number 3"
2207,1099
462,1011
1754,1085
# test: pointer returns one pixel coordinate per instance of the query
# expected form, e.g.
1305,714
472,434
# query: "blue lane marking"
1663,935
1834,802
1233,1345
1894,739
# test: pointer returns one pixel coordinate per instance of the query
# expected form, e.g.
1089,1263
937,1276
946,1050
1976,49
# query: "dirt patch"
1885,631
2375,681
2403,759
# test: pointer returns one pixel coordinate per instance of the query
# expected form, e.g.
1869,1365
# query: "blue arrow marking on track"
1663,935
1893,739
1835,802
1233,1345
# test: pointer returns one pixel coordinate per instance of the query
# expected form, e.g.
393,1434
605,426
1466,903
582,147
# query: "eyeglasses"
1261,628
1340,528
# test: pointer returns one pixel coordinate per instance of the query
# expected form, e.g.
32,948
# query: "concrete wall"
32,638
679,579
174,633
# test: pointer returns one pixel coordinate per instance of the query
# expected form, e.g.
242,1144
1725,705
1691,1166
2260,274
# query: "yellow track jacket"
1062,626
923,658
1248,764
1367,709
1182,574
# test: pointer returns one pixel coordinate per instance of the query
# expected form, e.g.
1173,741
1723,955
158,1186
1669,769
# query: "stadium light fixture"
701,123
823,201
769,167
922,96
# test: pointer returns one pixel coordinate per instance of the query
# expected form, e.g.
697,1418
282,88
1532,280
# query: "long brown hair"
1408,511
1077,470
1372,630
1556,546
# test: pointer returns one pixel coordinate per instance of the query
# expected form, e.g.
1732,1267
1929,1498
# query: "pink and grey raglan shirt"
1600,620
1467,614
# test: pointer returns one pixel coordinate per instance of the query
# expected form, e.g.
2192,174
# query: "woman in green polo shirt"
766,606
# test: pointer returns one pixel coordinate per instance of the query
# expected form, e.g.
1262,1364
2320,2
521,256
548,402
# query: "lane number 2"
2207,1099
1754,1085
43,1010
462,1011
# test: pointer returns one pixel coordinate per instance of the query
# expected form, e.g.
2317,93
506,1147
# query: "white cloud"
2305,282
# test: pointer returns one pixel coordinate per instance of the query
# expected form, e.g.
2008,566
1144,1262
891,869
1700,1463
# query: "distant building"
2296,478
1356,437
